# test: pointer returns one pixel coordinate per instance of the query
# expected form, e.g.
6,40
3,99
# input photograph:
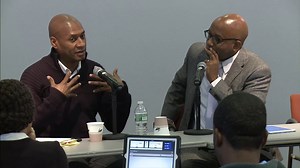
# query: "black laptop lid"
152,151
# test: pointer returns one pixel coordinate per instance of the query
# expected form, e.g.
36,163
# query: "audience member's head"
240,128
16,107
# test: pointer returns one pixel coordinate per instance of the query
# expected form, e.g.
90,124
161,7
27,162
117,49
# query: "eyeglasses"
216,39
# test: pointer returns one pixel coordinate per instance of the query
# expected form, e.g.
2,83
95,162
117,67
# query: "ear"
265,137
27,129
237,46
53,42
218,137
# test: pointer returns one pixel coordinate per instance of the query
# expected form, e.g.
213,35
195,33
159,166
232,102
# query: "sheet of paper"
274,129
52,139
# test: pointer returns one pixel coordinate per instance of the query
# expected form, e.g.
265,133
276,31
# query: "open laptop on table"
151,151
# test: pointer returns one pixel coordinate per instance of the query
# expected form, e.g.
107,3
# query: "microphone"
107,77
199,72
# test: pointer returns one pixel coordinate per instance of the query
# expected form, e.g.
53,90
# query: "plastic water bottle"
141,118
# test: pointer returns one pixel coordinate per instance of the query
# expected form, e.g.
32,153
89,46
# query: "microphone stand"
198,130
115,135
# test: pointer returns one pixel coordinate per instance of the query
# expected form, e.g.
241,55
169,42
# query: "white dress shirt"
64,68
13,136
208,102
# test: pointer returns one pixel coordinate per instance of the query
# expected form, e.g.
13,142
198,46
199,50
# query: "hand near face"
212,65
101,85
66,87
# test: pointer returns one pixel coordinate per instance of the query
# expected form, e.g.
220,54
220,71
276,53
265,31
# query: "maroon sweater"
60,116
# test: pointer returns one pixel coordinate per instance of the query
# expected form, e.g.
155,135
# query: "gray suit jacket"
248,73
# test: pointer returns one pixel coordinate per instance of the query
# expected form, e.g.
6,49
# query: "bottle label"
141,117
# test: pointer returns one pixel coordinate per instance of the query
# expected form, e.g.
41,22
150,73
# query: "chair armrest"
291,121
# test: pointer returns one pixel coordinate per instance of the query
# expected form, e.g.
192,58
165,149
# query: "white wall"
148,40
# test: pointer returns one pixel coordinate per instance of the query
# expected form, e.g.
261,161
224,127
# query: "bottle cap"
140,102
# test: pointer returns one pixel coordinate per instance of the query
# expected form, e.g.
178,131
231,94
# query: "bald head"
60,22
234,25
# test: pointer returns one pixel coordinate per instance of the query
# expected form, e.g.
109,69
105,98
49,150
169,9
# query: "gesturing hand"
102,86
64,86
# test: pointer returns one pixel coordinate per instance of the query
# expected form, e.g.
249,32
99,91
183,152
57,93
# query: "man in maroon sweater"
66,92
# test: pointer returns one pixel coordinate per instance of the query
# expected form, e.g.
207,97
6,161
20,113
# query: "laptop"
151,151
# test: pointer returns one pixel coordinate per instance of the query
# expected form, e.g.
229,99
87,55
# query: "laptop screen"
151,151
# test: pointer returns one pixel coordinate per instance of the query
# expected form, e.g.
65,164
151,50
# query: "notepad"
274,129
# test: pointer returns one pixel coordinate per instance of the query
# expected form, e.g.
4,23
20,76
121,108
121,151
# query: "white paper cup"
95,131
95,136
161,126
95,126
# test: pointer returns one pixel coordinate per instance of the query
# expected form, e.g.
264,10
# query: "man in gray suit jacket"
229,68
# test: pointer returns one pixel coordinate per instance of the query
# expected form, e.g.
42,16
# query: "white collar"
13,136
64,68
228,63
